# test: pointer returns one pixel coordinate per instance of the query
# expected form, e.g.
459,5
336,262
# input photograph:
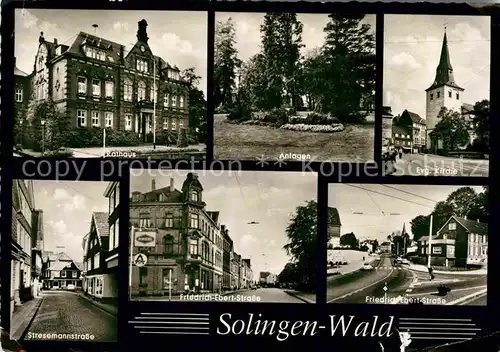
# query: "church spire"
444,71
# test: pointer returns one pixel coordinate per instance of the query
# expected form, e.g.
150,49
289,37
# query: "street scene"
379,254
260,247
277,94
64,261
436,120
112,84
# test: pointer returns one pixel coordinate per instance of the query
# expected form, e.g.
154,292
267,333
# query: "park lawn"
247,142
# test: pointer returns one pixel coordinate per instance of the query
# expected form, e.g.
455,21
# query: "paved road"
268,295
420,164
396,284
68,313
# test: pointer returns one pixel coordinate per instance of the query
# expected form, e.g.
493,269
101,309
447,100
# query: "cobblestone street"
64,312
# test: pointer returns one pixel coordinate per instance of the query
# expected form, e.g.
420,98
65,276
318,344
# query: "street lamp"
43,135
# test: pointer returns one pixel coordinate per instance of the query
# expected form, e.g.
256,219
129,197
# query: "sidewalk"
423,268
107,307
303,296
23,315
206,296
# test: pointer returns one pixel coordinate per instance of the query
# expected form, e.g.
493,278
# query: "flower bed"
336,127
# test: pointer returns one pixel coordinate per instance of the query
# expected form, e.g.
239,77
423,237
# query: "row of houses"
182,245
34,269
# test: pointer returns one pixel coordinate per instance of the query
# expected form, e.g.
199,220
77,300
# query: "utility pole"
154,103
430,244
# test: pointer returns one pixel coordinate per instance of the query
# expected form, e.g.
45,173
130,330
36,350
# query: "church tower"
444,92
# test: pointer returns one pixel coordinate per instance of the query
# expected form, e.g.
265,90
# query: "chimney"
142,35
153,185
55,41
172,185
222,228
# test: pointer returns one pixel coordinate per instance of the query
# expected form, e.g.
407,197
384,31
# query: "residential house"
37,252
227,254
247,273
83,273
412,124
59,271
236,269
334,226
387,121
96,83
186,248
112,192
402,138
385,247
267,279
460,242
101,281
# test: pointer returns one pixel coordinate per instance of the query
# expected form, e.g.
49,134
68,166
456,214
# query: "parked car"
405,261
8,344
70,287
367,267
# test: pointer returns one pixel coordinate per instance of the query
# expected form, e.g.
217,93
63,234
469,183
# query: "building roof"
101,223
467,109
58,266
112,50
473,226
170,196
415,118
444,70
333,217
18,72
79,265
264,274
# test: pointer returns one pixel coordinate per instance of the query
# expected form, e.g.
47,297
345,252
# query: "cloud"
57,226
67,201
174,42
250,244
121,26
28,20
404,59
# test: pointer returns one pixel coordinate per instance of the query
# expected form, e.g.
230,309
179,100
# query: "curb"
459,301
349,272
37,308
305,300
109,311
451,273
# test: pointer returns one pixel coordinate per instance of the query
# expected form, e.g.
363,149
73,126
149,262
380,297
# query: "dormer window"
142,65
95,53
452,226
195,196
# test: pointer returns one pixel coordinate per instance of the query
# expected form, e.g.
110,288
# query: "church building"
444,92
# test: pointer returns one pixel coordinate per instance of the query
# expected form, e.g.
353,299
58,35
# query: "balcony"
193,259
145,104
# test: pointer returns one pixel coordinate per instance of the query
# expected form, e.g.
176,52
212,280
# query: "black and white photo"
255,243
293,86
407,244
436,95
113,84
64,260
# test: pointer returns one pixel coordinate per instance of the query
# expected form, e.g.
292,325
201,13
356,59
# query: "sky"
268,198
67,211
248,37
179,37
412,47
400,203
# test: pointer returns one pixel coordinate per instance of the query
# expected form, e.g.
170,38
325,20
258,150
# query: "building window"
19,95
195,196
165,124
142,65
109,119
174,101
168,277
168,242
96,88
82,85
128,122
194,221
143,273
127,90
81,118
181,102
458,96
152,93
110,90
169,221
193,247
166,100
141,91
63,274
96,260
144,222
95,119
74,274
438,94
449,94
452,226
173,126
181,125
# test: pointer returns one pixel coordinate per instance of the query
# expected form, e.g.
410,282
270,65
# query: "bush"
239,113
314,128
59,153
315,118
121,138
84,137
278,116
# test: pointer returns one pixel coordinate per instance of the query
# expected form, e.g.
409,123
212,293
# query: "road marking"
456,290
361,289
425,283
468,297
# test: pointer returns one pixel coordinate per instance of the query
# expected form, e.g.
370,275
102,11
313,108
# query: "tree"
375,245
452,129
349,239
346,67
53,134
254,83
197,105
288,274
226,64
302,233
481,121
